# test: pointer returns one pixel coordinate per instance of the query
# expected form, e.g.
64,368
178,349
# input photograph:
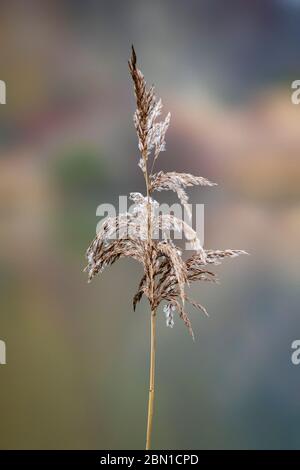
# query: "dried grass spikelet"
169,222
177,182
135,234
151,134
102,254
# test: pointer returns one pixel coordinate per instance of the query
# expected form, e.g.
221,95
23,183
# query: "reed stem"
151,379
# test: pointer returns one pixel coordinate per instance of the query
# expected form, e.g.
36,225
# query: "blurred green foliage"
80,171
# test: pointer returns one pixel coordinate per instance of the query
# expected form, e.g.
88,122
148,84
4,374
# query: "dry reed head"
132,234
177,182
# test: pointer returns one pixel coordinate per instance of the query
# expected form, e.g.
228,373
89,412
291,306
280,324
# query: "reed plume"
134,234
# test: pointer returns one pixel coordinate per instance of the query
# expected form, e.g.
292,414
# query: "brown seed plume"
166,274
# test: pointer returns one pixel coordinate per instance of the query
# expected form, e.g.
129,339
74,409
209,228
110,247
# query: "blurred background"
77,355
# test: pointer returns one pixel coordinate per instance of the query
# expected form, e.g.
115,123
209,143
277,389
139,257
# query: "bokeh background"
77,356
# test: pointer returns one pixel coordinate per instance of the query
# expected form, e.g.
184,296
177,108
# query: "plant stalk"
153,310
151,379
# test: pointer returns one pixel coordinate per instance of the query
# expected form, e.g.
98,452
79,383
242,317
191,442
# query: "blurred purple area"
77,371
